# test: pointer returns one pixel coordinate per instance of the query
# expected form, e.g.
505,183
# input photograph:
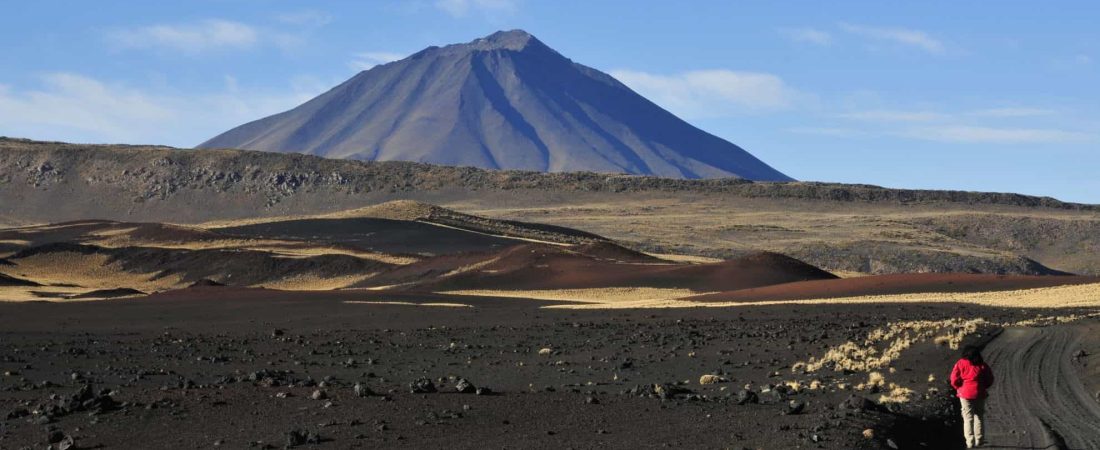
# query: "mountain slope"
506,101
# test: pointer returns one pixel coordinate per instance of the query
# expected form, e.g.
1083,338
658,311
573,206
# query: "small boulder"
858,403
465,387
745,397
295,438
422,386
361,390
667,391
54,436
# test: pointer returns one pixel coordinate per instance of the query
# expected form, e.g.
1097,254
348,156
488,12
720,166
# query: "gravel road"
1039,402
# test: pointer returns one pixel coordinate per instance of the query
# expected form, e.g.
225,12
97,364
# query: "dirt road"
1039,402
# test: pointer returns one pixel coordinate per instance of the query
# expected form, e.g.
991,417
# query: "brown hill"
850,228
405,219
542,267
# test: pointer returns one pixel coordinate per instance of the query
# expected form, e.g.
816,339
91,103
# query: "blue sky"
991,96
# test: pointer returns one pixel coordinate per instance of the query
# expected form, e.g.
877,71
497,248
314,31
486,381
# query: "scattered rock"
770,396
18,412
858,403
295,438
54,436
745,397
666,391
422,386
361,390
795,407
318,395
465,387
545,351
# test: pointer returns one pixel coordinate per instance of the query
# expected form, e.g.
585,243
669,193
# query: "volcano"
505,101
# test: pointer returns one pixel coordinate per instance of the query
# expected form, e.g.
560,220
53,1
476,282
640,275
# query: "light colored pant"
973,411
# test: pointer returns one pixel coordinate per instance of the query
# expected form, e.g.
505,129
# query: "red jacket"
971,380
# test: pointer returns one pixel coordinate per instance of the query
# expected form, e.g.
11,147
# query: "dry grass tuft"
885,345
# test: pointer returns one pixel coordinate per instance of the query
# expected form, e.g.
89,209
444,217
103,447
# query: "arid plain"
416,303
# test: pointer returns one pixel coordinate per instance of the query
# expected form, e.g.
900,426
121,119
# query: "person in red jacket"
971,377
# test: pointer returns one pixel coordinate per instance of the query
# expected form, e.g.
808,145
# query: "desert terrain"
845,229
415,224
404,325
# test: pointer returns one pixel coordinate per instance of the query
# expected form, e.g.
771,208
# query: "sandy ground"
1077,296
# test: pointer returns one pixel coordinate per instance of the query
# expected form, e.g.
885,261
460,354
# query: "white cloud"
807,35
830,131
197,37
367,60
883,115
887,115
460,8
978,134
711,93
1013,112
73,107
306,18
904,36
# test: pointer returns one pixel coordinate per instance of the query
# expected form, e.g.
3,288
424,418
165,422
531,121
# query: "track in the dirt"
1038,401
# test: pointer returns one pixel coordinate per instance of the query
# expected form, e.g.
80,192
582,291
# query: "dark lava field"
253,368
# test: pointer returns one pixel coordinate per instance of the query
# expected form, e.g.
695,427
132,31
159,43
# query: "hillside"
848,228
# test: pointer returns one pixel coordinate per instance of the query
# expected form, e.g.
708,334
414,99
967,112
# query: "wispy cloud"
1013,112
889,115
904,36
976,126
883,115
979,134
710,93
307,18
212,35
197,37
830,131
367,60
807,35
74,107
461,8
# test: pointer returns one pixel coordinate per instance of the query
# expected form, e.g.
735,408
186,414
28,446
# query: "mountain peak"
503,101
504,40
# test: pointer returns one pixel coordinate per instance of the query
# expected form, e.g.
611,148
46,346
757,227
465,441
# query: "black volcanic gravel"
268,369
